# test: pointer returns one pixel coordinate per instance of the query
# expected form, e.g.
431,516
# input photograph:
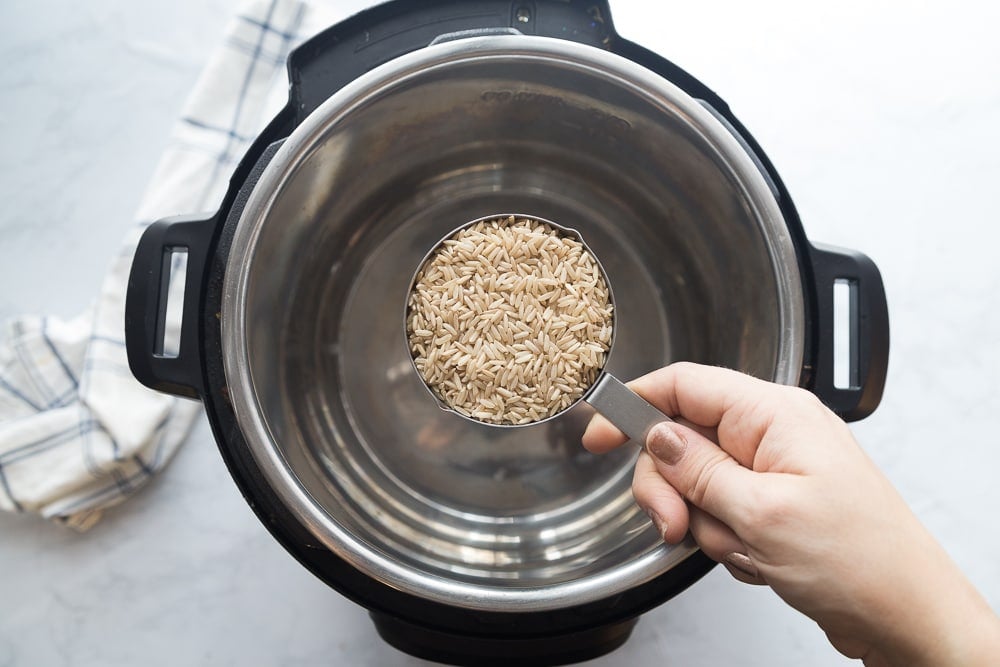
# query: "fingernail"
666,444
742,563
661,525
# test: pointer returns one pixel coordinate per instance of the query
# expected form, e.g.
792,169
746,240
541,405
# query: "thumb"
702,472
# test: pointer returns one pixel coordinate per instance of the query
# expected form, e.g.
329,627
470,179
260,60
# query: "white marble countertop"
882,119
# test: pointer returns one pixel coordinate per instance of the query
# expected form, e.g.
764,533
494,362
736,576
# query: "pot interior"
701,267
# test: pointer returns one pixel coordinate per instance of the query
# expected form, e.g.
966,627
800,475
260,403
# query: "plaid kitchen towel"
77,432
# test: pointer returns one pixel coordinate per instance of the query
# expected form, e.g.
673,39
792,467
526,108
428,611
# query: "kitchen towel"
78,433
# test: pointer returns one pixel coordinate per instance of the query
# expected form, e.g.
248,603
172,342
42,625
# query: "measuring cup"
624,408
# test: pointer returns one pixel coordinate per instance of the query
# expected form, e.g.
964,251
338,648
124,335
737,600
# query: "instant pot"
467,543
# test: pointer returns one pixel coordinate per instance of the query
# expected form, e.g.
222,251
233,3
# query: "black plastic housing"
317,69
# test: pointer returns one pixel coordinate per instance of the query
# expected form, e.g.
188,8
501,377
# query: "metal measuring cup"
624,408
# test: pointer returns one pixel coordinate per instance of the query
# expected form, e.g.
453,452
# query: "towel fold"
78,433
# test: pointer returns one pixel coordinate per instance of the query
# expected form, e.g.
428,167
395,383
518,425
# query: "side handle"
156,356
852,342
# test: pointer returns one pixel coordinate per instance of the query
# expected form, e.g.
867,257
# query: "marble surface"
881,118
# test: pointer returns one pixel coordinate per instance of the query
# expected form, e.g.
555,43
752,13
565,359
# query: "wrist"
972,639
946,623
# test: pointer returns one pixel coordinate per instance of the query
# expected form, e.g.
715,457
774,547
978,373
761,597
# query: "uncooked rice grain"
509,321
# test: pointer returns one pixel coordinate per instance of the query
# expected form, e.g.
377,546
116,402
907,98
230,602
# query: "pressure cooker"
467,543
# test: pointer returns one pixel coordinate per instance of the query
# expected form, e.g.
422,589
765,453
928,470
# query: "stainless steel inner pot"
321,381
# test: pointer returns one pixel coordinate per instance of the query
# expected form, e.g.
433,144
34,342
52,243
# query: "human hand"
788,498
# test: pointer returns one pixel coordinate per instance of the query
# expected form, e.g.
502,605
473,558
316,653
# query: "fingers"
702,472
724,405
697,395
673,518
715,538
665,507
721,544
602,436
701,394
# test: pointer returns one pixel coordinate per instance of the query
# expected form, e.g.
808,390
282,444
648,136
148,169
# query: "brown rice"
509,321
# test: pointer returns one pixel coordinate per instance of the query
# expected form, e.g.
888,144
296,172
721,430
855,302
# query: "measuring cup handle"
624,408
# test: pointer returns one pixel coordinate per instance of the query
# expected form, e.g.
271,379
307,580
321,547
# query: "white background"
882,118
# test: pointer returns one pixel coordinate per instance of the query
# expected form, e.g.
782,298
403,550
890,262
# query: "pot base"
464,649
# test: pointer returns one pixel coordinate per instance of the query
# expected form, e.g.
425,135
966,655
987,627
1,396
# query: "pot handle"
157,359
850,280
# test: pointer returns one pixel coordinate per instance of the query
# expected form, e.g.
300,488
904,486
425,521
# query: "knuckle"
683,370
683,366
652,500
641,491
702,484
791,405
647,484
804,400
